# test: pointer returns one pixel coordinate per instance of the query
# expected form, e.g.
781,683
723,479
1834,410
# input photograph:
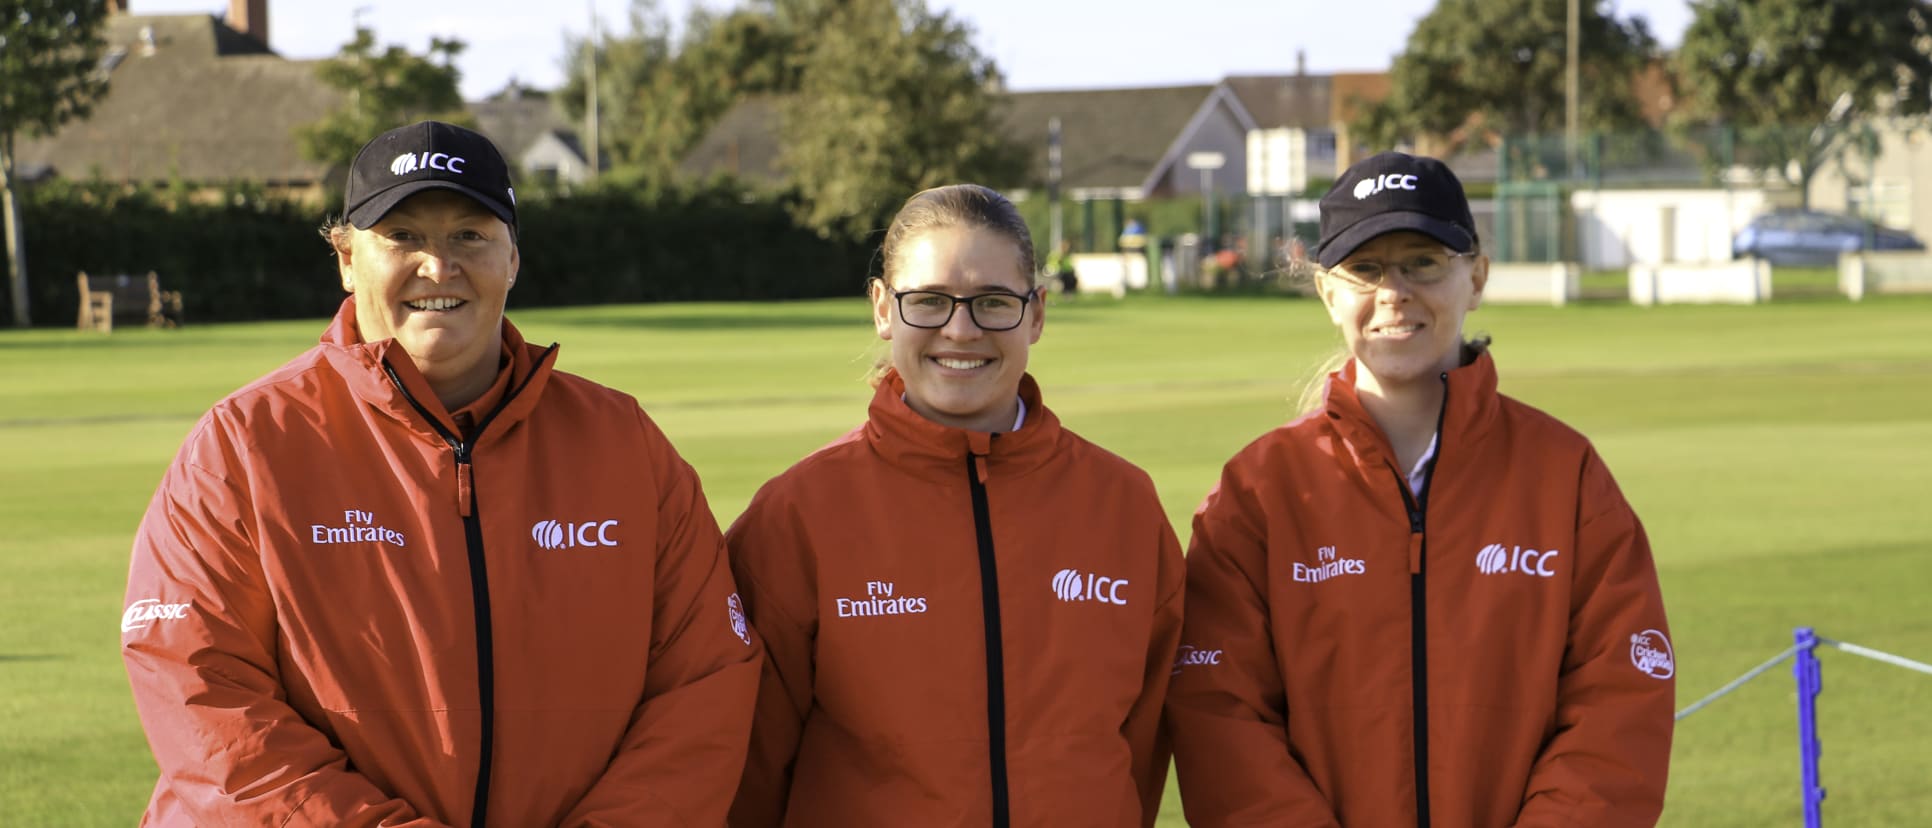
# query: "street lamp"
1207,163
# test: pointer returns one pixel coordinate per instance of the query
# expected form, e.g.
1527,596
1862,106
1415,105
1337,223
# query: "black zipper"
479,581
989,592
1418,508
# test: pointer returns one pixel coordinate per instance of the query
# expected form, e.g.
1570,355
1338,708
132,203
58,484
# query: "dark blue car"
1812,237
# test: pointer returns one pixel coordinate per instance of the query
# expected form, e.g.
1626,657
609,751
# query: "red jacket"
862,567
1531,686
341,614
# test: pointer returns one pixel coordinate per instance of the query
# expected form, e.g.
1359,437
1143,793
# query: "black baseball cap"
430,155
1389,192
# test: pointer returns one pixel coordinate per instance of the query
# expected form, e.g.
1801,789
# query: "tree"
1502,61
1795,79
656,97
893,99
50,52
385,89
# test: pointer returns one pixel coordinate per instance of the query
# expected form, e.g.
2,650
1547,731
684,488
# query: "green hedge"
242,256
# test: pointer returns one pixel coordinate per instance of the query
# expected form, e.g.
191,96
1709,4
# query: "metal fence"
1880,169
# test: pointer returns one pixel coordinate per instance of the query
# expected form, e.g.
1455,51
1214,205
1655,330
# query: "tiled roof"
744,144
1109,138
1294,101
515,120
206,104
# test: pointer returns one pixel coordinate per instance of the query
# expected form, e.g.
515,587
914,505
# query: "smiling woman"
370,549
1434,516
434,274
427,247
971,612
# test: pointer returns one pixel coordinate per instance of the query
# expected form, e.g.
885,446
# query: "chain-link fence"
1878,170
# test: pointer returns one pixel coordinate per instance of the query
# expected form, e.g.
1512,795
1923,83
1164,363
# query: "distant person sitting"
1059,266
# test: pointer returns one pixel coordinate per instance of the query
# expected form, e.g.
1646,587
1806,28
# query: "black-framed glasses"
1368,275
997,311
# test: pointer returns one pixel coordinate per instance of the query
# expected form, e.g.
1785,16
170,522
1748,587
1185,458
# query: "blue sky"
1039,44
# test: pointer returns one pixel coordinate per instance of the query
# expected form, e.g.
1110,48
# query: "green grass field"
1780,455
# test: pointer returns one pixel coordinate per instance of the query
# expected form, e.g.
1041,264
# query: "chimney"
250,17
1301,62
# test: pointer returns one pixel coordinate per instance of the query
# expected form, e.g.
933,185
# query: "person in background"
971,612
1423,602
1059,266
418,575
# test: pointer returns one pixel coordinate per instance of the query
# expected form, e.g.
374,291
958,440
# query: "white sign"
1206,160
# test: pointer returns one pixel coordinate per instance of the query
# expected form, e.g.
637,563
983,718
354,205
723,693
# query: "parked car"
1813,237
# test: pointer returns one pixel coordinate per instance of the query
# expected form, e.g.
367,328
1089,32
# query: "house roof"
1110,139
517,119
1292,101
206,104
1351,92
743,143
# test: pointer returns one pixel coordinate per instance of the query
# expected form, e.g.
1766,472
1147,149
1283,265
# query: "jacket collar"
361,364
903,435
1470,411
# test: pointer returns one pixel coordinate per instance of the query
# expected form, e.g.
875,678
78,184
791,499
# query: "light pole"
1057,230
1570,91
594,141
1207,163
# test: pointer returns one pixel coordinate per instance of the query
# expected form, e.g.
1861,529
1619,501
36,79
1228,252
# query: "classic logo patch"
144,613
1192,656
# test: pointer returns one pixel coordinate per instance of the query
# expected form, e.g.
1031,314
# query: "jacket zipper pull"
463,481
1415,540
979,467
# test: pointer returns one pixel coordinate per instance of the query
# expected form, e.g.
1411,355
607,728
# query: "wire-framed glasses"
1367,275
997,311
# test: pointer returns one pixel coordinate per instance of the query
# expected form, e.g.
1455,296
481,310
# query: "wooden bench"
104,299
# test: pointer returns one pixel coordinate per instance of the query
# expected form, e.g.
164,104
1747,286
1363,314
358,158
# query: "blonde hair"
1314,386
940,208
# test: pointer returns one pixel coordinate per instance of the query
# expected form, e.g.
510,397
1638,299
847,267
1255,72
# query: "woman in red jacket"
970,612
419,576
1423,603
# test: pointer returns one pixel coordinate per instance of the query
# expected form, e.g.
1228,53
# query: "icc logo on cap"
410,162
1391,181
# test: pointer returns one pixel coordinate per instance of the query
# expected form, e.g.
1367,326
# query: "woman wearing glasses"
1423,602
970,612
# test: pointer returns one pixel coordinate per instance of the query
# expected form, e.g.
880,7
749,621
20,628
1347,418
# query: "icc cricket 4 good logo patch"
1650,652
737,610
